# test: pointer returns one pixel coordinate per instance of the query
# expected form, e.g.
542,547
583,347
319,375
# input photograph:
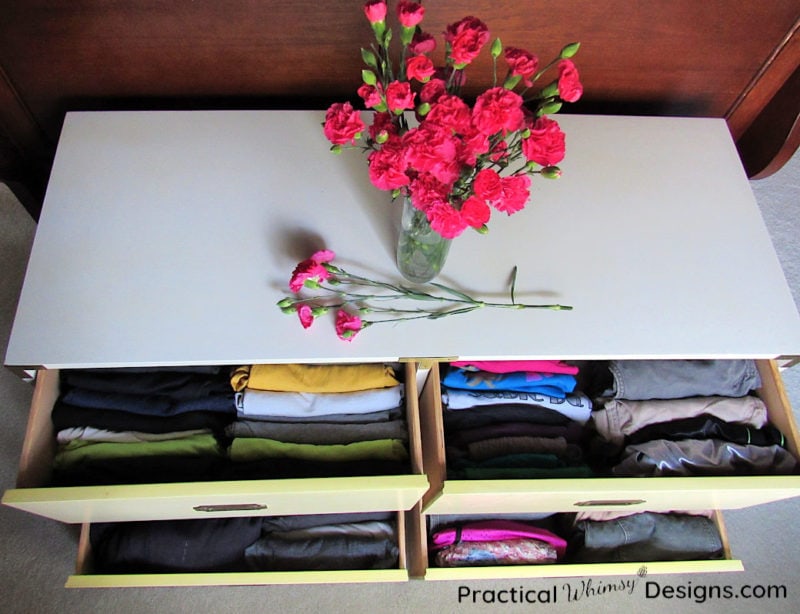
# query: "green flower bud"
285,302
364,310
396,192
337,149
497,48
531,166
406,34
424,109
311,283
382,137
483,230
550,172
319,311
525,133
569,50
379,28
368,77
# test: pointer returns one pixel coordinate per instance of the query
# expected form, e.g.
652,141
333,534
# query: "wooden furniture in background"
715,58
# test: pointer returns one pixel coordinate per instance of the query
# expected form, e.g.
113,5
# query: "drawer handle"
230,507
600,502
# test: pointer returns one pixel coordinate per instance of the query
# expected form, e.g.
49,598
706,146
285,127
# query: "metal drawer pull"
230,507
609,502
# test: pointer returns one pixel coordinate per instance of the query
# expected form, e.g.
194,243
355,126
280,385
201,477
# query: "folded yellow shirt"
245,449
313,378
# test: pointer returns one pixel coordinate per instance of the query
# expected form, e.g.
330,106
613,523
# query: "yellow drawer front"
634,494
220,499
584,570
236,579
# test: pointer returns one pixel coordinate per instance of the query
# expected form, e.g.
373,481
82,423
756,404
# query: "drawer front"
635,494
203,499
220,499
84,578
565,570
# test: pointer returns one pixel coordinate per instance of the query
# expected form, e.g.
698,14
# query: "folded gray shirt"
675,379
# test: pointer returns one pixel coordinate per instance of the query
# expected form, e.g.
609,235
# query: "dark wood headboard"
736,59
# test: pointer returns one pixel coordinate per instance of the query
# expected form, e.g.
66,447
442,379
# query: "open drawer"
85,577
576,494
83,504
564,570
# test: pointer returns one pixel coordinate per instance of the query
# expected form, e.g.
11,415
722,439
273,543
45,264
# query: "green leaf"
369,58
454,292
569,50
454,312
368,77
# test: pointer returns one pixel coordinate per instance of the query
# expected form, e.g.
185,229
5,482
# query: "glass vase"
421,251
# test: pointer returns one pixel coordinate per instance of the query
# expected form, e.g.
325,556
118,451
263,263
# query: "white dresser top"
168,237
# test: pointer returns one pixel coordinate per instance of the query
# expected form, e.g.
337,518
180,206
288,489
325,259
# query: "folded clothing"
318,432
492,553
621,417
646,536
573,406
672,379
708,427
254,403
274,552
510,366
66,416
77,451
661,457
174,385
173,546
244,449
553,384
313,378
496,530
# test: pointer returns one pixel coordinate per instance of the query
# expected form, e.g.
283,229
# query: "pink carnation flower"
305,315
311,269
347,325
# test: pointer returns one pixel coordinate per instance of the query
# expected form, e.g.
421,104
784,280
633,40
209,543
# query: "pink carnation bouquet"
459,160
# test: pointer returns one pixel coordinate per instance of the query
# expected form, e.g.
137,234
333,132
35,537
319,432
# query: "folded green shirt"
245,449
78,451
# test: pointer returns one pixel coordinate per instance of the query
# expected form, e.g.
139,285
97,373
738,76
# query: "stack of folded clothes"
288,543
688,417
298,421
611,537
326,542
491,542
513,419
141,425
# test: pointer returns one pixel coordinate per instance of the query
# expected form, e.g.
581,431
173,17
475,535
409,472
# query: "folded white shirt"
575,406
253,403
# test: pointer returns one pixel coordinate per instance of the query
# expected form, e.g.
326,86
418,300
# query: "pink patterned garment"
509,552
496,531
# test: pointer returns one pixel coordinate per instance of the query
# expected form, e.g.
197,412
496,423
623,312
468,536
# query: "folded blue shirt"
553,384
